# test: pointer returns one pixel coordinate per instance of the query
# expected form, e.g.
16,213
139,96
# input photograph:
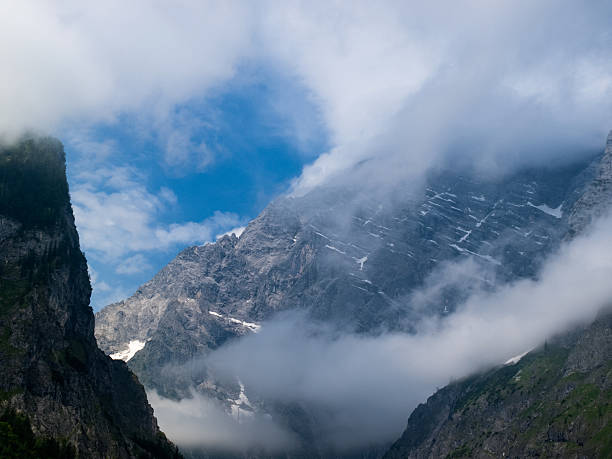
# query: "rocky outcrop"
51,370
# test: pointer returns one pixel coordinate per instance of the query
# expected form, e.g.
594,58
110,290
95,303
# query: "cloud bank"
198,421
405,83
492,86
67,61
362,388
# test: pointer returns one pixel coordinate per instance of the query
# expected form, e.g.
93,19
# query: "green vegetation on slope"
550,413
555,402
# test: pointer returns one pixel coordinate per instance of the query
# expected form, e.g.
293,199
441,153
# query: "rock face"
354,266
52,371
596,197
555,402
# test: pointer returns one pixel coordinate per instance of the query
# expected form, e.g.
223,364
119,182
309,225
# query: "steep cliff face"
555,402
51,369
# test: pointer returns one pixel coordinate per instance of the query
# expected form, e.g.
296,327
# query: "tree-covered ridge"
33,186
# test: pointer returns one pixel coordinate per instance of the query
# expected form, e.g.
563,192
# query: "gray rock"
596,198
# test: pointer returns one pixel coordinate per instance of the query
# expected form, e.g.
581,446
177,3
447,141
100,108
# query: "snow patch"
465,236
322,235
548,210
250,325
488,258
253,326
516,359
335,249
133,347
361,262
241,406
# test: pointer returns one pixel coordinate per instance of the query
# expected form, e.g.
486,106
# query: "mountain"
60,395
555,401
345,259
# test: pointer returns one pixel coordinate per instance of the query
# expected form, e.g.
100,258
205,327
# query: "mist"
361,389
199,421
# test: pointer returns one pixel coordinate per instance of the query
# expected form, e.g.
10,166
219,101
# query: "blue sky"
240,152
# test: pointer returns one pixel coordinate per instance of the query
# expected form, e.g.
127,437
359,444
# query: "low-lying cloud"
362,388
199,421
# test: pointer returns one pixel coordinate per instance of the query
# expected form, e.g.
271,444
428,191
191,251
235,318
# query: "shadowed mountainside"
52,374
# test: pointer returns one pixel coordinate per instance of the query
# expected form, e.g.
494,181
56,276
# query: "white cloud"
88,62
398,82
360,60
403,87
198,421
104,293
134,264
237,231
92,151
168,195
116,215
